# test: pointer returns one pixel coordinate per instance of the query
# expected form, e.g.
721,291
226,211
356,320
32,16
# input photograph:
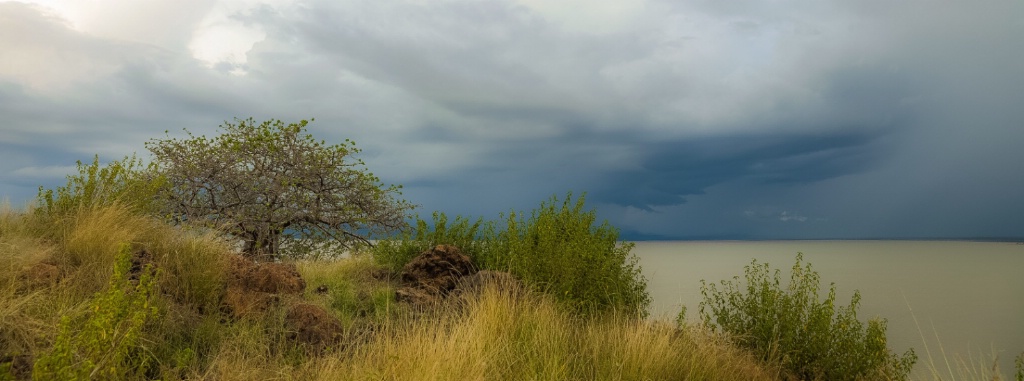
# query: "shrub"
470,237
793,327
105,347
128,181
559,249
1018,364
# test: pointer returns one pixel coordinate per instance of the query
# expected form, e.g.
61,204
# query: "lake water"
967,295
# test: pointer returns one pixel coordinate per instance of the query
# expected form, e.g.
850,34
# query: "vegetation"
559,249
794,327
277,188
106,346
128,182
176,330
171,328
134,297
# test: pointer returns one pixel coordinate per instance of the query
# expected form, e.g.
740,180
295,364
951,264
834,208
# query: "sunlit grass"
504,332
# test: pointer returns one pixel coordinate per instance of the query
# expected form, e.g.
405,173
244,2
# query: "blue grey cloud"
701,119
670,171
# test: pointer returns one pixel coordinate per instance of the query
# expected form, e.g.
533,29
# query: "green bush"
793,327
1018,364
563,250
106,346
559,249
470,237
128,181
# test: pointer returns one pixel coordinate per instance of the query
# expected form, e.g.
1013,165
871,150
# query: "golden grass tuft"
508,335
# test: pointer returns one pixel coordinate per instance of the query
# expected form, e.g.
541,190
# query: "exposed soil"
139,260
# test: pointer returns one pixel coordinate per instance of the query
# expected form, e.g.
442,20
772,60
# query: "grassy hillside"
69,310
103,293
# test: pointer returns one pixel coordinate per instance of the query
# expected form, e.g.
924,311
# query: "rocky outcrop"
312,326
270,277
445,271
433,274
254,287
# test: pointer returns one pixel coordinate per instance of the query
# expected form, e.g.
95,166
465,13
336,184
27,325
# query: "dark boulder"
433,274
437,270
312,326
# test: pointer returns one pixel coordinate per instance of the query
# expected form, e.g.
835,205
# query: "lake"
965,295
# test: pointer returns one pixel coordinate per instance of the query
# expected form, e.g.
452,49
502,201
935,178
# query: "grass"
502,333
977,366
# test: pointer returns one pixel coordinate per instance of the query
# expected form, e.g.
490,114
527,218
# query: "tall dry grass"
978,366
503,333
77,250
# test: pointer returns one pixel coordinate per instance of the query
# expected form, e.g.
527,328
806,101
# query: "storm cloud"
693,119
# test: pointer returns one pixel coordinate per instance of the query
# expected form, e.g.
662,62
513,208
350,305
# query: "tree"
276,188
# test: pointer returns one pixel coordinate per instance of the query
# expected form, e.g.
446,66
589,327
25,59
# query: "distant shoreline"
1017,240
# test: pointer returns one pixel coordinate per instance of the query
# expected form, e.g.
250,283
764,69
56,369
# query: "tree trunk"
262,246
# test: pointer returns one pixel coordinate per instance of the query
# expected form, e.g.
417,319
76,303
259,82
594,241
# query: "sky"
769,119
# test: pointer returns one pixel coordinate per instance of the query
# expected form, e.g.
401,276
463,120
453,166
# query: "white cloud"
786,216
45,172
227,33
54,58
162,23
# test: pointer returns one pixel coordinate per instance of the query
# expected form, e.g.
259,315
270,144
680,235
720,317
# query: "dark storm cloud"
680,119
670,171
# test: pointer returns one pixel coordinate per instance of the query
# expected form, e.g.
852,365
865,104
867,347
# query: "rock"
437,270
254,287
274,278
313,326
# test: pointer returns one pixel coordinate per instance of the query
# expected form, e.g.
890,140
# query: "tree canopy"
275,187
